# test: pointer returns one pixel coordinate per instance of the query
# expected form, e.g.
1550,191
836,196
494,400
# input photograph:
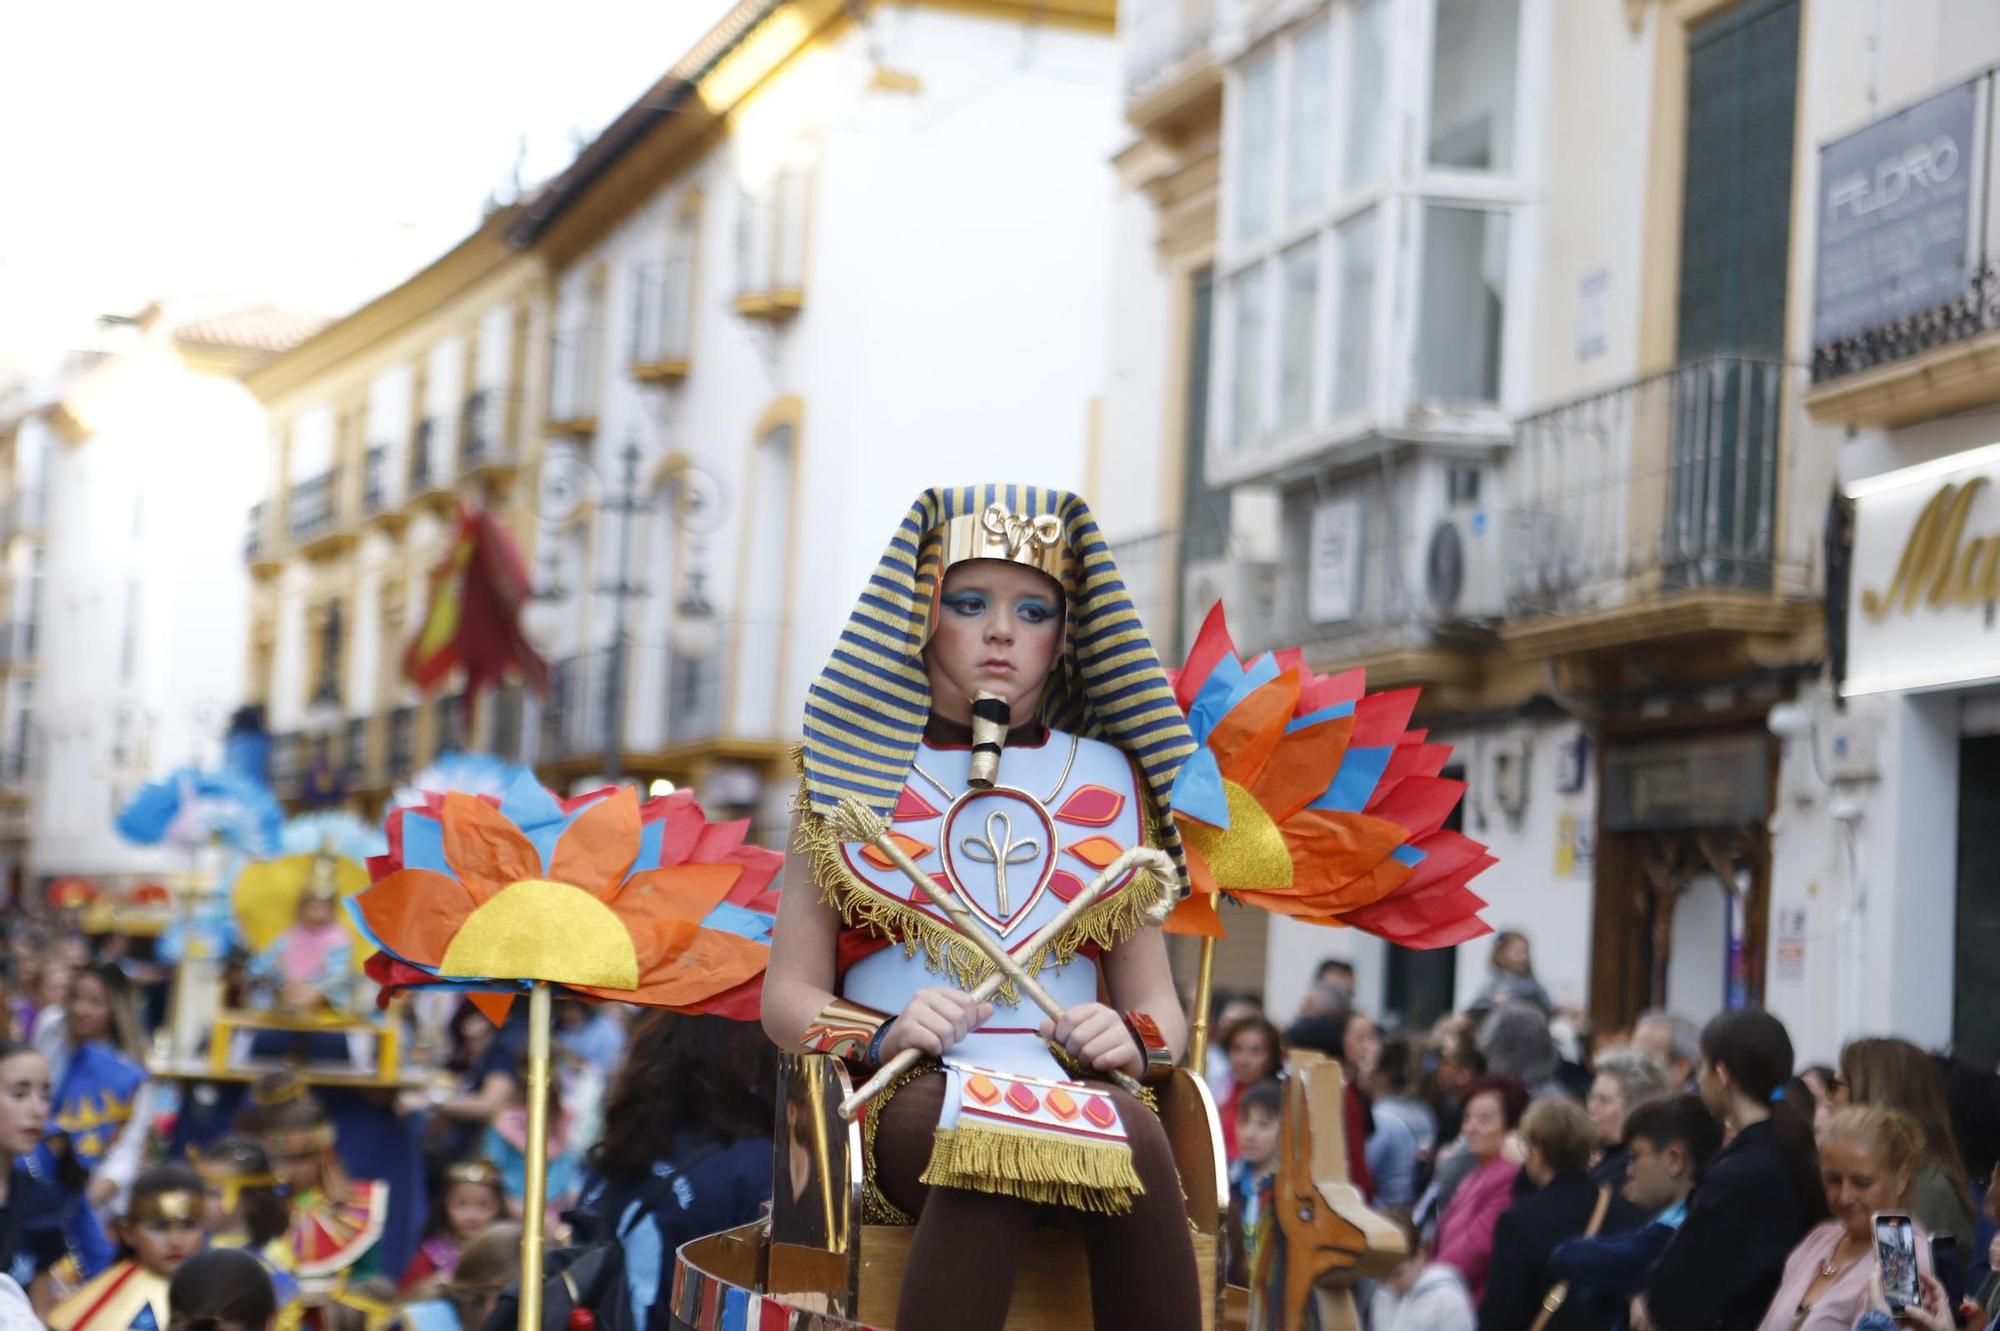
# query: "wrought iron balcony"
1667,485
660,321
354,754
399,748
314,507
255,535
375,481
481,428
423,474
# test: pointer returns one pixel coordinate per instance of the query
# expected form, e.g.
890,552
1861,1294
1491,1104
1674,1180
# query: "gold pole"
1204,980
536,1199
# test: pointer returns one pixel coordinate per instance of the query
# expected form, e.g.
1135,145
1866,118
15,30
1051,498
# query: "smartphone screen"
1896,1252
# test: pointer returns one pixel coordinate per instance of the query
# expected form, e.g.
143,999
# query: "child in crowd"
309,968
103,1100
336,1221
506,1144
1258,1112
223,1289
464,1300
473,1198
31,1235
161,1228
1670,1140
1420,1297
246,1210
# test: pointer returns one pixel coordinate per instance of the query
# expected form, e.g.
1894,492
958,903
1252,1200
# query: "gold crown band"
474,1171
293,1142
161,1208
1014,537
283,1093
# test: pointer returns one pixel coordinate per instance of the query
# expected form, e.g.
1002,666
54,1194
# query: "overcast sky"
308,155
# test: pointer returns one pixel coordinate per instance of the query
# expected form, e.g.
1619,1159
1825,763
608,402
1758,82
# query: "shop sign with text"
1924,598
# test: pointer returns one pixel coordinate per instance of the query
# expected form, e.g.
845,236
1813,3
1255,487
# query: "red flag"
473,621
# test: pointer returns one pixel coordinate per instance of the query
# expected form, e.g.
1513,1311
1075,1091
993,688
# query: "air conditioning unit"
1463,572
1247,589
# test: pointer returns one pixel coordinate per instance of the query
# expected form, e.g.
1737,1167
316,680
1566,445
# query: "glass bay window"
1373,174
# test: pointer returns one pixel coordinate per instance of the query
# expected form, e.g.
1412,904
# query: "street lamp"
695,632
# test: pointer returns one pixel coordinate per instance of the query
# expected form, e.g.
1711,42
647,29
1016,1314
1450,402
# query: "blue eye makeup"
966,603
1036,610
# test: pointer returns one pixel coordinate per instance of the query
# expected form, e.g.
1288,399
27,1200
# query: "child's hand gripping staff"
856,823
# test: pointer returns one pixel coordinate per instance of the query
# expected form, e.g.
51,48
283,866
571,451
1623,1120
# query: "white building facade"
1889,881
873,261
131,593
1482,363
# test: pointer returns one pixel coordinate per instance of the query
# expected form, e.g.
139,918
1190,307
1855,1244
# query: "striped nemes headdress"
865,713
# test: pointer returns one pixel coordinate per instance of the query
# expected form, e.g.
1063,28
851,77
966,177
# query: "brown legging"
960,1272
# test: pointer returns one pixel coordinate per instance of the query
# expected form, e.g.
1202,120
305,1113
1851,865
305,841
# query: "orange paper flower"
1309,798
602,895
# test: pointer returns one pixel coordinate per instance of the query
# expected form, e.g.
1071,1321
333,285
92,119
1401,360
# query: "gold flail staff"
856,823
1138,857
1204,979
535,1192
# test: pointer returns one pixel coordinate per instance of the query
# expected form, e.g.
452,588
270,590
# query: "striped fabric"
865,713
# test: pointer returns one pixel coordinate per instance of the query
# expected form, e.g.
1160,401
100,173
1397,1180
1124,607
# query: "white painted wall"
1529,889
952,331
1878,889
148,600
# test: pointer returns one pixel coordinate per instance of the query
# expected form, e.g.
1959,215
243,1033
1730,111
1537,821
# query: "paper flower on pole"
188,808
601,895
1309,798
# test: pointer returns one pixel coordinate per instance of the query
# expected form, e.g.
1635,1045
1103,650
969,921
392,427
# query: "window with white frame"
1325,216
1365,76
1296,336
1256,137
1306,121
1354,248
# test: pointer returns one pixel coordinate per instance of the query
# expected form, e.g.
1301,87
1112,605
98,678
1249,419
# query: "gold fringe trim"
876,1208
1036,1167
1107,924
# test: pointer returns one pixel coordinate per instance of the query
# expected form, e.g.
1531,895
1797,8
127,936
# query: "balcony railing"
423,474
1162,34
1667,484
509,706
399,748
1926,232
255,535
375,481
354,754
673,697
290,756
314,506
573,375
481,429
660,309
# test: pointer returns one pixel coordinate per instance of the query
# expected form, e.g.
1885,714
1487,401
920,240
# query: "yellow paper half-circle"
539,930
1251,856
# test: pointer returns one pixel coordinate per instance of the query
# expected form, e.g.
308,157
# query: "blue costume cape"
95,1099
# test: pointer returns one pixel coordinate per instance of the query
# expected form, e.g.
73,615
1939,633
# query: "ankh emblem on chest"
999,849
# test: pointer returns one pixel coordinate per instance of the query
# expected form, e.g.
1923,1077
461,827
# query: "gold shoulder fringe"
1107,924
1036,1167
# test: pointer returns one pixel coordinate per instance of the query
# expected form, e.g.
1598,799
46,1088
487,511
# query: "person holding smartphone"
1869,1162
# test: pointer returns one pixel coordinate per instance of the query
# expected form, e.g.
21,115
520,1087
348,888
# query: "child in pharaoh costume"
161,1228
336,1221
996,627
